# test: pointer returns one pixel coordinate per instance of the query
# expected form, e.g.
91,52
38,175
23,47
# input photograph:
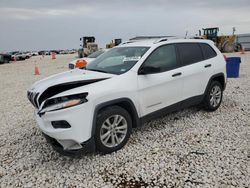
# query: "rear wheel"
113,129
213,96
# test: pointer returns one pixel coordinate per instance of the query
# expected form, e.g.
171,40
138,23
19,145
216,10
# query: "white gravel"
190,148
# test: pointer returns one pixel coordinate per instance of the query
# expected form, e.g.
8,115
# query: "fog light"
60,124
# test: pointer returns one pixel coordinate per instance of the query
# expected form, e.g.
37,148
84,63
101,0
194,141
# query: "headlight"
63,102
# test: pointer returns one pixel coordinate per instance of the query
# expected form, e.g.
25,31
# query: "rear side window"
208,51
189,53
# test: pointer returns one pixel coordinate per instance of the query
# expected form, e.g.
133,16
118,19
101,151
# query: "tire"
213,96
110,137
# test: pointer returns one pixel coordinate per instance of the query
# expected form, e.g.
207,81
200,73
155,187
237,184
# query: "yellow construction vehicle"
225,43
88,46
114,43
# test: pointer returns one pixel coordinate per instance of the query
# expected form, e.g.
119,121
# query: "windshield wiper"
98,70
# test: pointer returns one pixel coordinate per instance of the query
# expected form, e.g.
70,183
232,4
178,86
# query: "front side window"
162,59
189,53
117,60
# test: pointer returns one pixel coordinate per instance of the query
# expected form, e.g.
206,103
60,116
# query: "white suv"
96,108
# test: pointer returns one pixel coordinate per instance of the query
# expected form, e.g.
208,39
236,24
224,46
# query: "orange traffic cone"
37,71
242,50
53,55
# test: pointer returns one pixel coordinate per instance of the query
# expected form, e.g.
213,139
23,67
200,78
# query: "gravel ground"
190,148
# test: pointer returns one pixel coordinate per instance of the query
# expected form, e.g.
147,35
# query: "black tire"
208,105
104,115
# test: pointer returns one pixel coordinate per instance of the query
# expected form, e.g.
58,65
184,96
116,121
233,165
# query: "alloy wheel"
215,96
113,131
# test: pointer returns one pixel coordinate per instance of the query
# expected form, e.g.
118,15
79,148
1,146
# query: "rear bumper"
87,147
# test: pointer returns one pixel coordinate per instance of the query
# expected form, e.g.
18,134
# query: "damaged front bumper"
85,147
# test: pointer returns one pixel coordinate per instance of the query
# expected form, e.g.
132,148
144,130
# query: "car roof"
161,41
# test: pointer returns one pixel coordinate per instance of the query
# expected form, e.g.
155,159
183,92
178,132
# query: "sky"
59,24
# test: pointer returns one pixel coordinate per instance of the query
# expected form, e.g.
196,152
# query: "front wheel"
213,96
113,129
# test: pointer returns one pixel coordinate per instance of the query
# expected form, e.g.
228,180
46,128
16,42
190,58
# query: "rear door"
162,87
210,60
194,70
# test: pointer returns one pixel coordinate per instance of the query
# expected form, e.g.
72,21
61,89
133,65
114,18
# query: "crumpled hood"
61,82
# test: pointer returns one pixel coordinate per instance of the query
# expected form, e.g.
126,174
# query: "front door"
160,84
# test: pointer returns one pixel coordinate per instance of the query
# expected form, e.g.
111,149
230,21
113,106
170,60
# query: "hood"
58,83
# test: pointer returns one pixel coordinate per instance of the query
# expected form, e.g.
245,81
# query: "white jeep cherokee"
96,108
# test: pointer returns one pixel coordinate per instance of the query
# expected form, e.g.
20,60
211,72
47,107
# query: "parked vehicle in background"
42,52
13,52
34,53
63,52
82,62
47,53
67,52
96,108
20,56
5,58
71,51
54,51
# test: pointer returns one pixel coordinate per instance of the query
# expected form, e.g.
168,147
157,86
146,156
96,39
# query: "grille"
32,96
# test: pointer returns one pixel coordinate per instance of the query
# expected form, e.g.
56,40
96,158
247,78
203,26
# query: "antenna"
186,34
234,29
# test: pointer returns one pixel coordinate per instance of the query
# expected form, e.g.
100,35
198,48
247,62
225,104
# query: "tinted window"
163,58
190,53
208,52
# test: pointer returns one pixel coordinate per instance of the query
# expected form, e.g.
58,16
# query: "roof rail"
161,40
147,37
166,39
127,42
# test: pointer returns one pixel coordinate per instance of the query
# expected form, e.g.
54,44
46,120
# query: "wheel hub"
215,96
113,130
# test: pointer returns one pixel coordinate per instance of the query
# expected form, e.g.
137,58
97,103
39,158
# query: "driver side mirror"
148,70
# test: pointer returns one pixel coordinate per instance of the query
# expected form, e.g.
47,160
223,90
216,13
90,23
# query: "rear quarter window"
208,51
190,53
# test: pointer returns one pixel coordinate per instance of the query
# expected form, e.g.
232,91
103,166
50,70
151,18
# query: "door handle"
176,74
208,65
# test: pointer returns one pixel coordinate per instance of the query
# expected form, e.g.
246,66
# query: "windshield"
96,54
117,60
